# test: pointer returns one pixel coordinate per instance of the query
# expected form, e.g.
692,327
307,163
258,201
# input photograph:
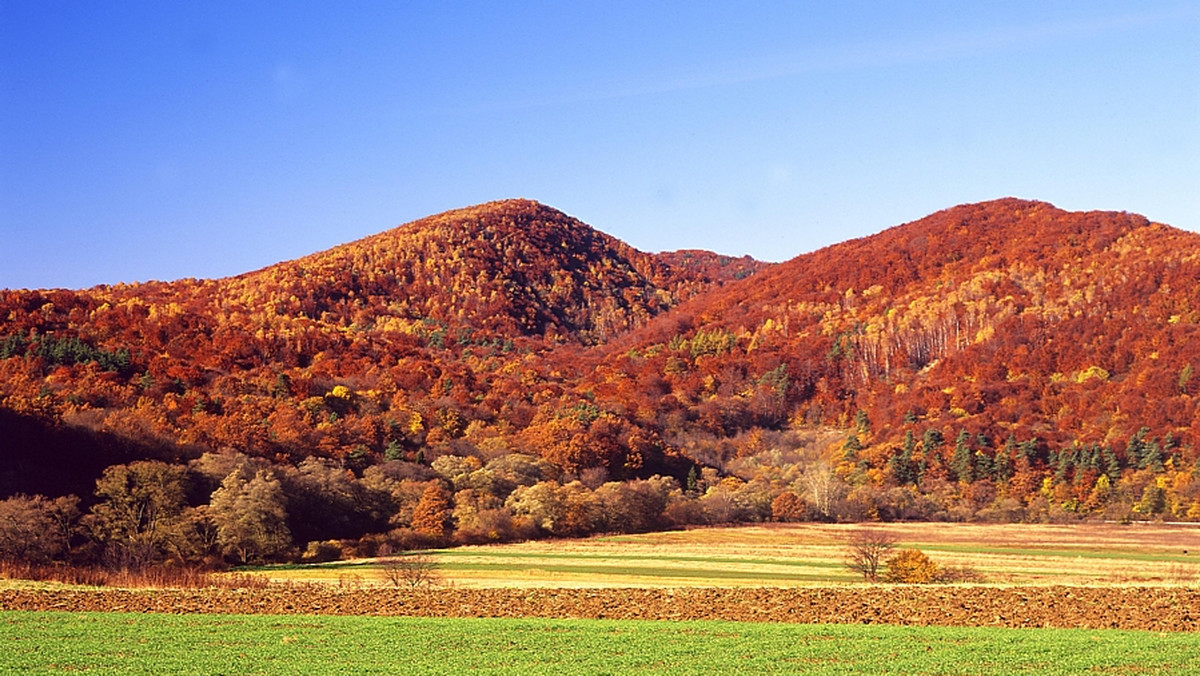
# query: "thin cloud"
864,56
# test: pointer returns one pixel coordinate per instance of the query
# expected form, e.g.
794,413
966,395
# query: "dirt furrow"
1157,609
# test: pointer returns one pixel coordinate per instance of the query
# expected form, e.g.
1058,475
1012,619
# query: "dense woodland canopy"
505,371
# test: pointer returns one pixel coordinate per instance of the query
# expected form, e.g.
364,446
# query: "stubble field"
801,555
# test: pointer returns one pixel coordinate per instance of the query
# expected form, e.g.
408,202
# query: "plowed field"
1154,608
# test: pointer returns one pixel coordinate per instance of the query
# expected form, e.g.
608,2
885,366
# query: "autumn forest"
506,372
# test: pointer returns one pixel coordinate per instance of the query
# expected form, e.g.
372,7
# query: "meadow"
123,643
788,555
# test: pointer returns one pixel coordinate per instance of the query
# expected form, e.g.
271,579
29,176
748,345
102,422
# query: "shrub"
157,577
911,566
321,551
953,574
411,570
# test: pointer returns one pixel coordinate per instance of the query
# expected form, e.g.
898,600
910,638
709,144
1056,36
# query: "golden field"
795,555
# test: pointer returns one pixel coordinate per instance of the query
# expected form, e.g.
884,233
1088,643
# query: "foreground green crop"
121,643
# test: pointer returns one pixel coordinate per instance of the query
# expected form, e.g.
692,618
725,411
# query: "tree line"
231,508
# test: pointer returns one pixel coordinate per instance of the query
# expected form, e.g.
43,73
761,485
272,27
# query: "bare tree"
139,517
411,570
866,552
823,487
29,529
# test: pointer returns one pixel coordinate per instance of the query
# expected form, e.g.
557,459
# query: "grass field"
807,554
120,643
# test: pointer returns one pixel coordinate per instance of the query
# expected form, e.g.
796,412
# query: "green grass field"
121,643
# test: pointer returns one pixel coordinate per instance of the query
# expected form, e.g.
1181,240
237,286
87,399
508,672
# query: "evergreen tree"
861,422
1112,466
1134,449
394,451
1028,449
1002,465
1152,457
961,464
851,448
1144,453
901,464
1062,461
932,441
12,346
1170,447
983,465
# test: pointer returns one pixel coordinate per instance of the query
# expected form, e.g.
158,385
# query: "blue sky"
159,140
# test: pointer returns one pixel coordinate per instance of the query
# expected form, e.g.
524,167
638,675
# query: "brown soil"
1157,609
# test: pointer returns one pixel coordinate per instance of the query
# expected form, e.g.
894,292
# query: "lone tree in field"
868,546
409,569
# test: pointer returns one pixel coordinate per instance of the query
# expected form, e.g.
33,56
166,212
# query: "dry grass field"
796,555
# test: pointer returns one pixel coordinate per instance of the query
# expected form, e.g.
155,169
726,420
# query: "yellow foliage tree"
911,566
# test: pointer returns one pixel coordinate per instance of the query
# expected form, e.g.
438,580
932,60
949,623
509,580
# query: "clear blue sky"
159,140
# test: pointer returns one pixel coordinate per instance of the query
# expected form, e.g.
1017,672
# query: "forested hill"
426,326
1002,360
954,348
